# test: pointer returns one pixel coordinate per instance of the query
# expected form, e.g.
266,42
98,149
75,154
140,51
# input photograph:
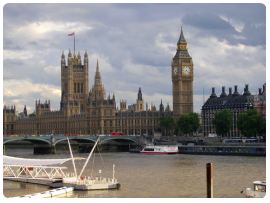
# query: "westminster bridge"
48,144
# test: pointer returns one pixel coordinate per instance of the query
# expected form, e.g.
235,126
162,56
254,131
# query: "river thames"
156,176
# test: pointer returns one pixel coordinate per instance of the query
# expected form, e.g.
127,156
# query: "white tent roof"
9,160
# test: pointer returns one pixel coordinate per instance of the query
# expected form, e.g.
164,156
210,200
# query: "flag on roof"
71,34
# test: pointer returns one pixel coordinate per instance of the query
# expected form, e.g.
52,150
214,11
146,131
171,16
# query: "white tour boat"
160,149
80,182
259,190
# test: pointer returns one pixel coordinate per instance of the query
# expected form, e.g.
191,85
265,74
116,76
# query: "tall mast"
72,158
88,158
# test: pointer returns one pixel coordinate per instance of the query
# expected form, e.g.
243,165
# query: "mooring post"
209,179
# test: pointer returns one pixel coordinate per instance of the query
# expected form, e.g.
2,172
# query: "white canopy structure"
9,160
22,168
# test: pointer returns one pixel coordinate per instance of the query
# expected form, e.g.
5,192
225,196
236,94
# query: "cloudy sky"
135,44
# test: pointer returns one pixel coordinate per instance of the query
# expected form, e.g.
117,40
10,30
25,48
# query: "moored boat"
258,191
160,149
87,183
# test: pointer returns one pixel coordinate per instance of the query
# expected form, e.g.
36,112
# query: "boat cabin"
259,186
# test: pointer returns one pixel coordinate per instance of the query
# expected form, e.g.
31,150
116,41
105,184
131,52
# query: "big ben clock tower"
182,79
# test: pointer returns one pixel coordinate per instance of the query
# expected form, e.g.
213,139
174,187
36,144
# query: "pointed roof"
161,106
167,108
181,38
140,94
69,53
97,67
97,76
63,55
182,51
85,54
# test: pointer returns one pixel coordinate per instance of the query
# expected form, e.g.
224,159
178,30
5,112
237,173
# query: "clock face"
186,70
175,70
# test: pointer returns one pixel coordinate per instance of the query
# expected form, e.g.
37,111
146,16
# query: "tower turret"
98,91
182,78
79,58
63,60
85,57
140,94
123,105
74,84
140,103
167,108
161,106
25,110
97,75
86,81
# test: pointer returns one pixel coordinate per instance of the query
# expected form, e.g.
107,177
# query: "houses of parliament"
91,112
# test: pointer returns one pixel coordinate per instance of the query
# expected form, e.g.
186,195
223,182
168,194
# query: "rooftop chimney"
223,94
235,91
264,88
260,91
230,91
213,95
246,91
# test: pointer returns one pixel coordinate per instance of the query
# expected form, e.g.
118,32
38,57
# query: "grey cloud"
208,22
127,32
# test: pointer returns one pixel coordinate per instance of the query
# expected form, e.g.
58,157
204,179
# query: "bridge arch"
78,139
31,140
109,139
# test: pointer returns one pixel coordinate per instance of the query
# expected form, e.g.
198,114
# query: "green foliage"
188,123
250,123
261,130
167,124
32,115
223,121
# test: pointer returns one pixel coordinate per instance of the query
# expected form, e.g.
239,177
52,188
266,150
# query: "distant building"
234,102
9,118
260,101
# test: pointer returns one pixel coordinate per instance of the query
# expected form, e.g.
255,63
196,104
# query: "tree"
250,123
167,123
223,122
262,126
188,123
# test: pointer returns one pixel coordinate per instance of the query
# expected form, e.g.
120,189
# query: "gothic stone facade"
90,112
234,102
84,114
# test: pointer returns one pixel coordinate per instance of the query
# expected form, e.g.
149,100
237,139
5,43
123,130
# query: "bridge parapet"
54,139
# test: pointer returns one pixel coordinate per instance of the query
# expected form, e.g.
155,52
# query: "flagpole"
74,43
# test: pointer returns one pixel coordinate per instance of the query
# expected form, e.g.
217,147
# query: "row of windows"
48,124
9,127
78,87
136,122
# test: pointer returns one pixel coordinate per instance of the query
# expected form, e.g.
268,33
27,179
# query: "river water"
156,176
